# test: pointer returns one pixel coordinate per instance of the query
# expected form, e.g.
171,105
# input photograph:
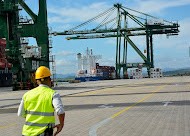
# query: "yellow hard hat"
42,72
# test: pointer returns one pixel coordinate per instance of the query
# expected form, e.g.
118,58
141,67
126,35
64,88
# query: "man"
38,106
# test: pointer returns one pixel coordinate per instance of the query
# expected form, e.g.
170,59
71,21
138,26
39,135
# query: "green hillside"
179,72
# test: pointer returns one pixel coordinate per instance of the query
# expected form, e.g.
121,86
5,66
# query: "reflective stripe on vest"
40,113
39,110
40,125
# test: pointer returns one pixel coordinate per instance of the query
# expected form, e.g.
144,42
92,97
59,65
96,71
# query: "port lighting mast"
117,26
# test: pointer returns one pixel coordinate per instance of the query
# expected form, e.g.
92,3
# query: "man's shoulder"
47,89
31,90
38,88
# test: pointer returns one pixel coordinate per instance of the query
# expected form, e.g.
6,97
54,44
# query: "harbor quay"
126,107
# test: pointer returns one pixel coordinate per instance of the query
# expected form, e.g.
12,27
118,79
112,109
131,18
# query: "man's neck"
43,85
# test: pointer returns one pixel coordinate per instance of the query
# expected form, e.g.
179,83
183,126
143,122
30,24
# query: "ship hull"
85,79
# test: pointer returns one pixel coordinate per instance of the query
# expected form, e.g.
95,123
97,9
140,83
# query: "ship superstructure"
89,69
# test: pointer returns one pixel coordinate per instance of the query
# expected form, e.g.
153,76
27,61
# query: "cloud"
66,62
77,14
178,42
56,19
81,13
185,28
174,52
172,62
64,66
107,62
65,53
157,6
60,28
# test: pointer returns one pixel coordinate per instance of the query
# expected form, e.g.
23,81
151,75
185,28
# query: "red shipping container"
3,61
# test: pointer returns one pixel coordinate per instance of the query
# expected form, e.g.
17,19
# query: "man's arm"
21,111
58,104
59,109
60,126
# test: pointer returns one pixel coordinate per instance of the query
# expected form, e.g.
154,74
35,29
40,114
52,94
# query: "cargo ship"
90,70
5,66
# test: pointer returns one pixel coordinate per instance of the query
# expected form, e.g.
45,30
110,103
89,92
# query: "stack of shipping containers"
136,73
5,66
156,73
108,72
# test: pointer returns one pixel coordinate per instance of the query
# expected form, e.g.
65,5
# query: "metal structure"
115,22
14,29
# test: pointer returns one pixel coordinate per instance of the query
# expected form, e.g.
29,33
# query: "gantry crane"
118,26
14,29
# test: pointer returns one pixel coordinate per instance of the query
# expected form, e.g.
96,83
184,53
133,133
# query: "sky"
169,52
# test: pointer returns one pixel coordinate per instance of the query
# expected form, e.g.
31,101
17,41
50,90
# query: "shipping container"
5,66
5,79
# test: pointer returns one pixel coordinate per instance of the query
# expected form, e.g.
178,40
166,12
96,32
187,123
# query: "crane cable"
146,14
110,21
92,19
103,22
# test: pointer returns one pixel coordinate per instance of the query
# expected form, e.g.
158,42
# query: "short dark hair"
44,79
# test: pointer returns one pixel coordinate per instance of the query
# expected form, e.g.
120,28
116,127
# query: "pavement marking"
105,106
143,99
94,128
166,103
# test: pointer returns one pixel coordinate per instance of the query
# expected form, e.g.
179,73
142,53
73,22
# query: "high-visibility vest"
39,110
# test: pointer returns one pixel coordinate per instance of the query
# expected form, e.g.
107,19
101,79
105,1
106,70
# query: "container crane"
15,29
117,26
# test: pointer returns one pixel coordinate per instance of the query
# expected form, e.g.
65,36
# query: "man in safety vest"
38,106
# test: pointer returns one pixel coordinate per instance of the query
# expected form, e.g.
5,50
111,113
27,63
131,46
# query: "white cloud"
172,62
65,62
60,28
178,42
65,53
107,62
185,28
64,66
57,19
77,14
176,49
150,6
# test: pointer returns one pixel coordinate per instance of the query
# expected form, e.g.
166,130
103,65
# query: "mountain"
177,72
169,69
